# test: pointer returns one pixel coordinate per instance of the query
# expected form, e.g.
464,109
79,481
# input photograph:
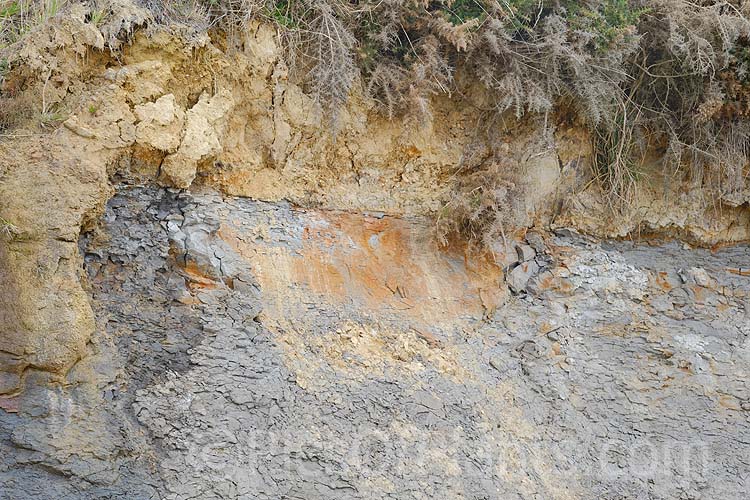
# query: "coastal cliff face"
209,290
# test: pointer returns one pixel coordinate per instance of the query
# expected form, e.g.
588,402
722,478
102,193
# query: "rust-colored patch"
559,284
546,327
413,152
685,366
548,282
198,278
374,264
739,271
565,285
662,281
700,293
556,349
725,244
729,402
9,404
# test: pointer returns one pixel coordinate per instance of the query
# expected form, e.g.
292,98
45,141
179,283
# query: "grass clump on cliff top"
664,74
527,53
18,17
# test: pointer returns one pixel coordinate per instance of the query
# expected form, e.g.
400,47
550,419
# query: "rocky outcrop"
159,114
160,124
262,309
268,350
201,140
48,194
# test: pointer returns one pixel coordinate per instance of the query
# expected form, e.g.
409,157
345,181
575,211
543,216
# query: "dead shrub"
671,74
485,205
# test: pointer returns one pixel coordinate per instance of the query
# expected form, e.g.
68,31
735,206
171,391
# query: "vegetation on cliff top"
645,76
665,76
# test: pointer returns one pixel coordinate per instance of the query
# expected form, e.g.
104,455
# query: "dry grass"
19,108
632,69
672,71
485,205
618,158
19,17
8,230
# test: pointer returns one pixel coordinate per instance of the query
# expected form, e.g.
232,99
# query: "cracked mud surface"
254,350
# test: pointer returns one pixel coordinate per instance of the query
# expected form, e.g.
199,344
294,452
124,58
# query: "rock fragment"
520,275
525,253
201,140
161,123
